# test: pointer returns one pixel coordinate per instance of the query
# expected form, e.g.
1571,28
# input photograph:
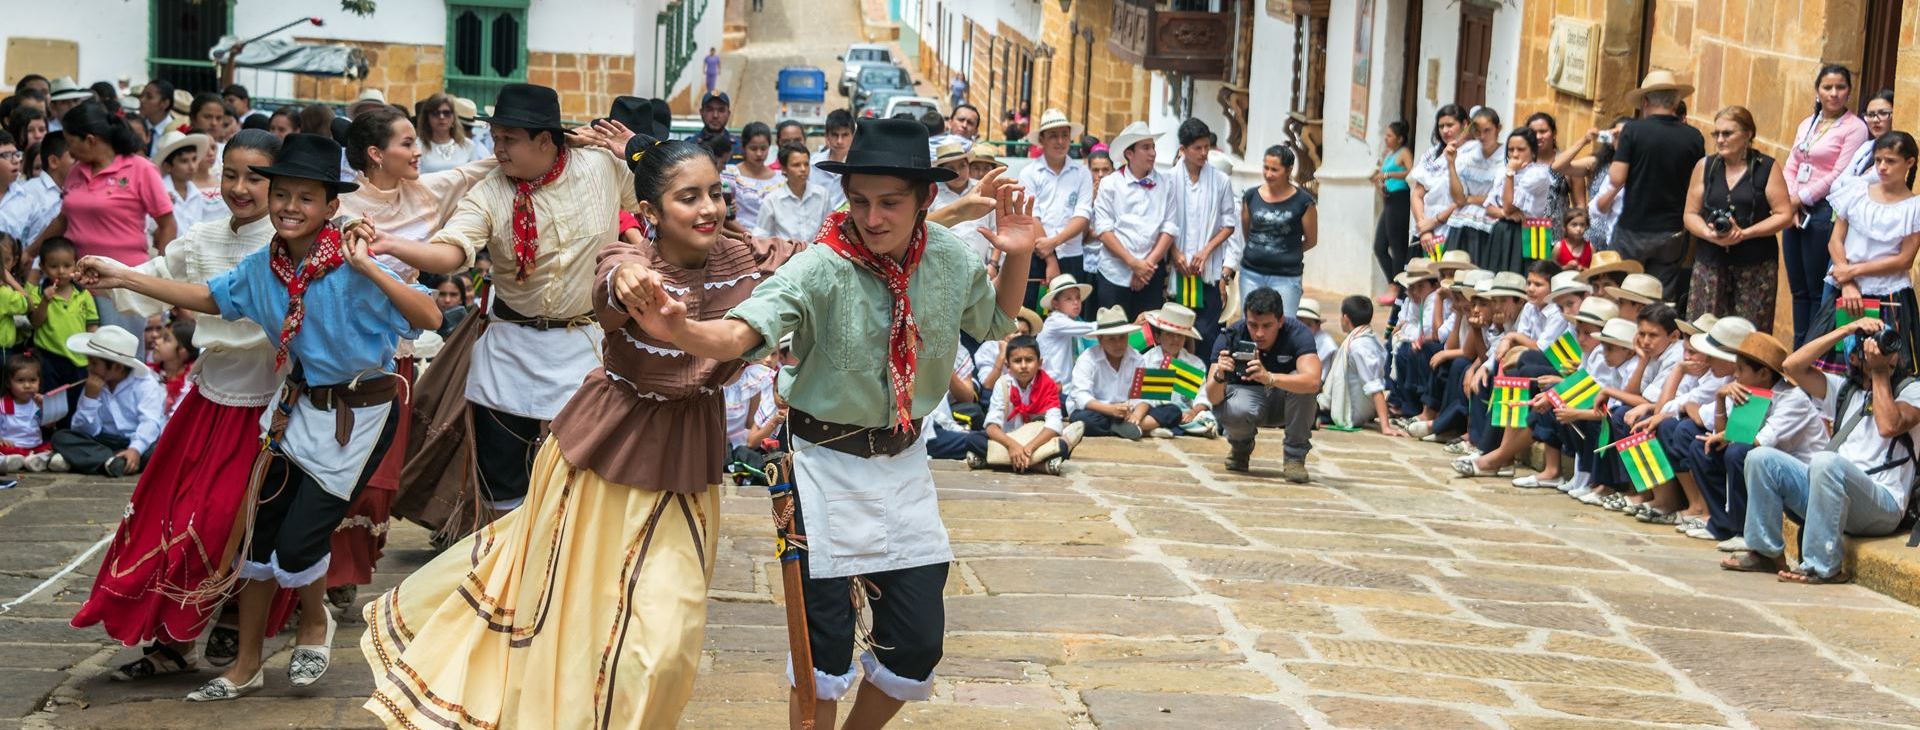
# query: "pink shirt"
107,211
1829,155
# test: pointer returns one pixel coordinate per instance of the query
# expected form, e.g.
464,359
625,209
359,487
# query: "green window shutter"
486,47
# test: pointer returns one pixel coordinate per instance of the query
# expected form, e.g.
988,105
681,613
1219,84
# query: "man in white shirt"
1861,483
793,210
1207,251
120,411
1062,190
1134,220
1102,396
953,156
839,140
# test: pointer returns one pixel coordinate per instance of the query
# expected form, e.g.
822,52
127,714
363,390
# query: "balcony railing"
1159,38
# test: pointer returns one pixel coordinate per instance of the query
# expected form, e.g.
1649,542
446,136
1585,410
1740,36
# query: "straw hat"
110,342
1055,119
1640,288
1417,270
1112,321
1699,325
1764,349
1567,282
1609,262
1135,132
949,152
1483,289
1308,309
1596,311
464,109
1062,283
986,153
1507,284
373,95
1174,318
1454,260
66,89
1033,321
1658,79
1465,281
1721,340
174,139
182,101
1618,332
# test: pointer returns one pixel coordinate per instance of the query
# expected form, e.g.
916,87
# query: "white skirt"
528,372
868,515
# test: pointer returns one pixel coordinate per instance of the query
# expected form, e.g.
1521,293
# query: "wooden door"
1883,48
1476,46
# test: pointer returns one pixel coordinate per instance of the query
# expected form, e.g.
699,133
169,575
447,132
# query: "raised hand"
100,272
637,287
614,135
1018,231
665,319
360,258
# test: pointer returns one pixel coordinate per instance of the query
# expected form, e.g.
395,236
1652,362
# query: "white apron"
868,515
310,443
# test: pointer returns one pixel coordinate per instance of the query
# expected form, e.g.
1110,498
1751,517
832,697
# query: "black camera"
1891,344
1244,351
1720,220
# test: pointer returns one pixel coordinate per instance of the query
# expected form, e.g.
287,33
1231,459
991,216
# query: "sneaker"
976,461
1127,431
1689,524
1462,447
1654,516
8,483
1533,481
1160,433
1418,429
1202,425
38,462
1238,462
1469,466
116,467
1295,470
1054,465
1700,533
1579,481
1735,544
58,464
1586,496
14,464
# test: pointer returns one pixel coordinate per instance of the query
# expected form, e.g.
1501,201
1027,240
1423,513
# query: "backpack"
1844,425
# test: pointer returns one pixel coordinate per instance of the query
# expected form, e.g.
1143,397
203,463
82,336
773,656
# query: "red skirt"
181,521
12,450
358,541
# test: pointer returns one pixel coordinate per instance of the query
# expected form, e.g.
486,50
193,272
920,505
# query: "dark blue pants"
1805,253
1680,437
953,444
1723,482
1407,389
1445,396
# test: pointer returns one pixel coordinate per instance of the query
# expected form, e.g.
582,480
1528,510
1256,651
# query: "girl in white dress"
1520,202
1432,197
1476,164
1876,231
751,180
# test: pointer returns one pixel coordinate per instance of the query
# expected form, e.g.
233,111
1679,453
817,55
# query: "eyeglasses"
440,113
1879,114
1723,134
12,155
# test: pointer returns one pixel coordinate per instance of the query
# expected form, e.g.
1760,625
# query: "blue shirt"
351,328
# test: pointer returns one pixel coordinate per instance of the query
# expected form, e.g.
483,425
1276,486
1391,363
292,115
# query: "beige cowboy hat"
1308,309
1507,284
1032,318
1112,321
371,95
1455,260
464,109
1417,270
1699,325
110,342
1566,282
949,152
1764,349
1658,79
1723,340
182,101
1174,318
985,153
66,89
1055,119
1134,133
1465,281
174,139
1595,311
1609,262
1062,283
1641,288
1618,332
1483,289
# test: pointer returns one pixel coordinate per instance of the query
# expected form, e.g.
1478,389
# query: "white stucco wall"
107,50
1349,204
708,31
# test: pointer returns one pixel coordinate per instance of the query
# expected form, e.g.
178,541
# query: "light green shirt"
12,302
839,315
66,317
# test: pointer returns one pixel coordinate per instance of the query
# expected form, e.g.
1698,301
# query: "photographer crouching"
1861,483
1265,364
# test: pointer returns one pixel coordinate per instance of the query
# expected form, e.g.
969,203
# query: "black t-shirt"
1293,342
1748,201
1276,234
1660,152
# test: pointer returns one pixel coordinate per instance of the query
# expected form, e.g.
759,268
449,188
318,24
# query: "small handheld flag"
1161,384
1141,340
1509,405
1842,317
1579,391
1439,248
1645,460
1743,421
1186,291
1564,353
1538,238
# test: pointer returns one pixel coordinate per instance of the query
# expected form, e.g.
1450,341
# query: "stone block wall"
587,82
1118,89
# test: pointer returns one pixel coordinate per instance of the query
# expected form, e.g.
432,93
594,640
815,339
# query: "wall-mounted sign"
1573,56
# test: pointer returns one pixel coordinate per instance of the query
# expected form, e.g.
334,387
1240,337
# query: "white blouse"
236,359
1531,186
1875,230
1479,170
448,155
748,192
1431,174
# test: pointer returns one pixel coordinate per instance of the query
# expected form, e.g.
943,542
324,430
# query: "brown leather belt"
342,399
506,314
861,441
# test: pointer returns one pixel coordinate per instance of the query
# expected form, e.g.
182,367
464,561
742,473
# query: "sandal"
1656,516
223,645
1812,579
1751,562
157,660
1615,501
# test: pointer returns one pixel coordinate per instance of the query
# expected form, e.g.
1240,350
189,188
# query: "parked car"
803,94
919,105
877,102
874,77
857,55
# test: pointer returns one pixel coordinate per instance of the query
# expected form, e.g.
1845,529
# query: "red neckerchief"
903,336
326,255
1046,397
526,232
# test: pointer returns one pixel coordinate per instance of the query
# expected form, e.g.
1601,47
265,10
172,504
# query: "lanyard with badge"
1805,172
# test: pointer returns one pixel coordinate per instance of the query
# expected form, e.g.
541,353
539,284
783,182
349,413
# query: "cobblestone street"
1151,589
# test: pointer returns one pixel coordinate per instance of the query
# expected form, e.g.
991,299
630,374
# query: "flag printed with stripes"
1186,291
1564,353
1645,460
1439,248
1579,391
1509,404
1538,238
1188,377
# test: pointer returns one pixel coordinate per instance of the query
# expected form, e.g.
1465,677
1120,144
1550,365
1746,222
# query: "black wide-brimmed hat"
308,157
890,147
639,116
526,106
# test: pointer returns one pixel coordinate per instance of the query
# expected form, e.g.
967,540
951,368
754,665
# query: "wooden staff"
787,545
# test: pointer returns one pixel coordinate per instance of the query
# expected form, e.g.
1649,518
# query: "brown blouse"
652,416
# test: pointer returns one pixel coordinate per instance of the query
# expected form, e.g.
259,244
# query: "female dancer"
615,539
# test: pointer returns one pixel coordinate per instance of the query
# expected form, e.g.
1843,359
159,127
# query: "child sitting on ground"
1175,336
24,415
754,414
1657,341
173,356
1308,312
1415,339
1058,355
990,361
1552,296
1503,296
120,412
1611,364
1685,413
1023,417
60,310
1103,396
1444,405
1356,389
1587,316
